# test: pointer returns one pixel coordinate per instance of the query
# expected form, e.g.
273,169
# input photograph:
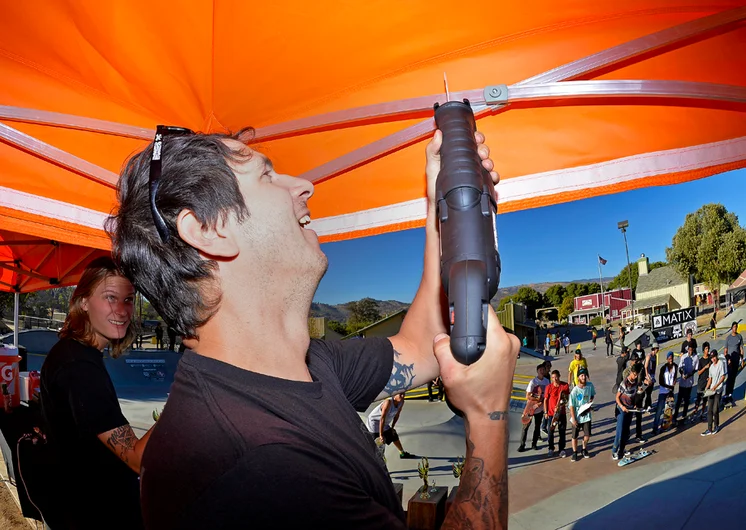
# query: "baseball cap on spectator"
655,346
582,371
689,331
625,349
713,353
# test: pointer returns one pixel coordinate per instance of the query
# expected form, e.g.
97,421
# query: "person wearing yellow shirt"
576,364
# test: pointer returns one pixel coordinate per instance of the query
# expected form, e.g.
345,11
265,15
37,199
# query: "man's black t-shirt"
95,489
238,449
686,343
702,381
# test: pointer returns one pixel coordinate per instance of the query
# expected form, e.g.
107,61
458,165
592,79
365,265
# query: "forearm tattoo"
499,415
122,440
482,498
402,377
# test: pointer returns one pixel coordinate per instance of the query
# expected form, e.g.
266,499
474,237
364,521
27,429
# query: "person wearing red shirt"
555,391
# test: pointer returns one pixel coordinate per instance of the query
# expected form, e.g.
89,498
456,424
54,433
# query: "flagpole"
603,301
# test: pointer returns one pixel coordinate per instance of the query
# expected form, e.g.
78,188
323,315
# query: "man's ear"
218,241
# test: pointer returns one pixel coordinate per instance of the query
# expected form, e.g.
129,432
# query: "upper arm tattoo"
122,440
402,376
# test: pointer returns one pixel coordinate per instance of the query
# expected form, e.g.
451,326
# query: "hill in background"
386,307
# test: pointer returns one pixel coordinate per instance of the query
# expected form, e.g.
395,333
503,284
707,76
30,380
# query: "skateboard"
668,414
532,403
634,457
560,406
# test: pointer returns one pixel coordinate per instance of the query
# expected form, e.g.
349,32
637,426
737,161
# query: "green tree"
530,297
504,302
362,313
555,295
566,308
621,280
576,289
711,245
339,327
593,288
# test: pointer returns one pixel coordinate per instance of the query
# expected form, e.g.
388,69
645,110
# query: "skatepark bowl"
545,493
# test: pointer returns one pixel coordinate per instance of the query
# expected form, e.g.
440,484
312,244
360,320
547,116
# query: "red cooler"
9,360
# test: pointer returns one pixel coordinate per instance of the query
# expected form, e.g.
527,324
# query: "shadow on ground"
697,499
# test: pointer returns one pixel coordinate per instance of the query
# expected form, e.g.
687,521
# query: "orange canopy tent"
576,99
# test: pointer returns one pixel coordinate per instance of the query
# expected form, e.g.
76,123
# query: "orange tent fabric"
224,64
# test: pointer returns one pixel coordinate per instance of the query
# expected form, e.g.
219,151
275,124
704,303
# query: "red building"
590,306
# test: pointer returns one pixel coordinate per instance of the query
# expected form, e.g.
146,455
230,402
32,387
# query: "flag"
601,260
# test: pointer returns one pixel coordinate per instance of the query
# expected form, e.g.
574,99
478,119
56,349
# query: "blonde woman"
95,452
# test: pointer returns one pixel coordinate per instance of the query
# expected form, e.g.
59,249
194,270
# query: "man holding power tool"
260,427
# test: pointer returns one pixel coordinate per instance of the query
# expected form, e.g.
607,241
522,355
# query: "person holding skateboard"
714,389
534,407
609,342
667,382
381,423
689,363
625,402
703,370
555,399
581,400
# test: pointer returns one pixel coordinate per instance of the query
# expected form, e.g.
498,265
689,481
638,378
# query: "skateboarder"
690,341
621,366
625,402
702,376
576,364
667,382
556,414
734,355
715,379
581,398
609,342
535,391
687,368
381,423
638,356
650,365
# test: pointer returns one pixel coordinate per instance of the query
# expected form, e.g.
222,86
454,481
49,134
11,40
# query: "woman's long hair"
77,325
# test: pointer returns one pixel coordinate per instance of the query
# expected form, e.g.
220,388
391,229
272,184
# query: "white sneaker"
563,454
614,456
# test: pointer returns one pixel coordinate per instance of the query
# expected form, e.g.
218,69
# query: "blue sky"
555,243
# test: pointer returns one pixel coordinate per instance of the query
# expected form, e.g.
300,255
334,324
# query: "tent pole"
16,304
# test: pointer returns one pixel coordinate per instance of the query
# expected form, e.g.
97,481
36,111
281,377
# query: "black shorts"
585,427
389,436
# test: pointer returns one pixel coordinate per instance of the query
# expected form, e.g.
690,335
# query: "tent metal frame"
566,82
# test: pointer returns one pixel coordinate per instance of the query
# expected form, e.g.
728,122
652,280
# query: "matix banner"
673,318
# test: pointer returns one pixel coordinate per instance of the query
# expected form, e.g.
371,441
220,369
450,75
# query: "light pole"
622,225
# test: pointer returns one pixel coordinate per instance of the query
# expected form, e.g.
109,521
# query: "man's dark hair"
196,176
557,373
635,368
542,365
705,345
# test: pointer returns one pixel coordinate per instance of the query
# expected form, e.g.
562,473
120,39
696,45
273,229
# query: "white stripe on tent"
26,202
518,188
554,182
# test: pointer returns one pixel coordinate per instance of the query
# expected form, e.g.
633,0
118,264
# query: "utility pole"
623,225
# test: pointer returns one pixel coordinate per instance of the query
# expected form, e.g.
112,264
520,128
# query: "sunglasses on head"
155,175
